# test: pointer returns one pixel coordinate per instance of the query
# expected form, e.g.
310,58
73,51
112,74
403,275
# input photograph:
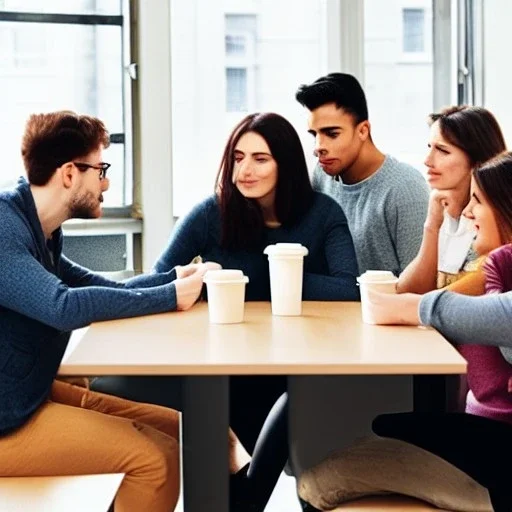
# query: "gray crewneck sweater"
385,213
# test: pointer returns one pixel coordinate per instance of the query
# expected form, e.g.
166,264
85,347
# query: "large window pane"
497,73
399,75
45,67
106,7
230,58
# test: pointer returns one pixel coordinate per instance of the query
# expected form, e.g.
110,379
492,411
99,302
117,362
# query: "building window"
398,81
61,55
413,30
236,89
240,42
236,45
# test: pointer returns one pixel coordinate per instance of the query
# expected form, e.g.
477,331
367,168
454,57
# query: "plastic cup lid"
286,249
225,276
377,276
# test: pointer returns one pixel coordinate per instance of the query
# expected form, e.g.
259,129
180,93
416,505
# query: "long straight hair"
242,223
494,179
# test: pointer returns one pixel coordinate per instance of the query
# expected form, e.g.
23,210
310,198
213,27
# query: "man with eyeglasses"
49,427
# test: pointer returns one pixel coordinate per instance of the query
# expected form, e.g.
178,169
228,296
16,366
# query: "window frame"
123,21
344,25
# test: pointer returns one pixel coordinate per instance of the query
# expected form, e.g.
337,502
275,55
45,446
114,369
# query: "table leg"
205,444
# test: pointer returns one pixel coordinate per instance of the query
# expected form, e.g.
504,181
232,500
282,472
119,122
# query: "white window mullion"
154,127
345,37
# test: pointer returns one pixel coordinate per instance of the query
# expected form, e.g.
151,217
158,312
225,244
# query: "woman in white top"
461,138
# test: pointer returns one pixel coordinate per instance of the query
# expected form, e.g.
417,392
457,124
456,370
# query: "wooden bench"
83,493
386,503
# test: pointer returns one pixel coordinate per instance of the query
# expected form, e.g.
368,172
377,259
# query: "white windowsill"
106,226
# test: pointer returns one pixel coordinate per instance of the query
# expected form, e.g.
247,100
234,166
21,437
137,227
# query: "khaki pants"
78,431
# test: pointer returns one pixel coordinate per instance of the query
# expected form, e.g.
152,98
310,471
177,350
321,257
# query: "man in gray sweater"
385,200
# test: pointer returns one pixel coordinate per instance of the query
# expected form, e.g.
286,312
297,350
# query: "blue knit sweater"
330,269
43,296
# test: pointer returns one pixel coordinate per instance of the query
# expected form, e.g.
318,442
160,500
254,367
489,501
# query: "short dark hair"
341,89
475,130
54,138
494,179
242,218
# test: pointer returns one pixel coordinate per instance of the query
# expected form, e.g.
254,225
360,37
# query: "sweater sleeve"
316,181
76,276
498,270
474,320
406,214
29,289
340,283
187,239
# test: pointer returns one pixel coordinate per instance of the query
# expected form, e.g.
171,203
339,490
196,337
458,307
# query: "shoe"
240,493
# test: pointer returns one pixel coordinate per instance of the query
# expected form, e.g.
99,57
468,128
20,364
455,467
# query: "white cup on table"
382,281
286,267
226,295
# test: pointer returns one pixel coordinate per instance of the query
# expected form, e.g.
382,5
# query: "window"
235,45
493,26
399,91
413,30
230,58
61,55
240,40
236,89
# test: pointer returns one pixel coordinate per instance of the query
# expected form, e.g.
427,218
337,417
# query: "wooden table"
328,339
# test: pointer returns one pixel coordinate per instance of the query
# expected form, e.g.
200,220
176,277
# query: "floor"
283,499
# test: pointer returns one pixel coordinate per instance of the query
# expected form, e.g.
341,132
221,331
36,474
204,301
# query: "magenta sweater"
489,374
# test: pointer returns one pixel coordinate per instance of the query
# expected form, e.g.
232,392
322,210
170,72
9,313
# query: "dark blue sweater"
330,269
43,296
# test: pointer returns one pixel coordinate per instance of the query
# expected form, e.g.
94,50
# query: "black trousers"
478,446
258,416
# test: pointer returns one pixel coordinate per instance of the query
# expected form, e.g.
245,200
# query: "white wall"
497,68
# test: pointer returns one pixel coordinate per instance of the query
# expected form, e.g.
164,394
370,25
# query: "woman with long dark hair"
263,196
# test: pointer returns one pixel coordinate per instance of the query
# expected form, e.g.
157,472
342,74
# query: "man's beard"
84,206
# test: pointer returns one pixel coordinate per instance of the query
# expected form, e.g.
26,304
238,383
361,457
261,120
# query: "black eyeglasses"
103,167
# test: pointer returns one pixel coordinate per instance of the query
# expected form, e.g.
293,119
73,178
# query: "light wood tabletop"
329,338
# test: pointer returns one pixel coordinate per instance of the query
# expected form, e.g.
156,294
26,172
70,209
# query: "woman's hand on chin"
394,309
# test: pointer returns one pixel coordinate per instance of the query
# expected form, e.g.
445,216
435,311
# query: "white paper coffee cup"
286,264
226,295
379,280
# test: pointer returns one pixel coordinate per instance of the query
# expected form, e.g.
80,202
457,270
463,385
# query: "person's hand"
192,268
438,202
189,287
394,309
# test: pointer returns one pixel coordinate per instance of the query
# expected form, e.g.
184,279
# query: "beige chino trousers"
78,431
